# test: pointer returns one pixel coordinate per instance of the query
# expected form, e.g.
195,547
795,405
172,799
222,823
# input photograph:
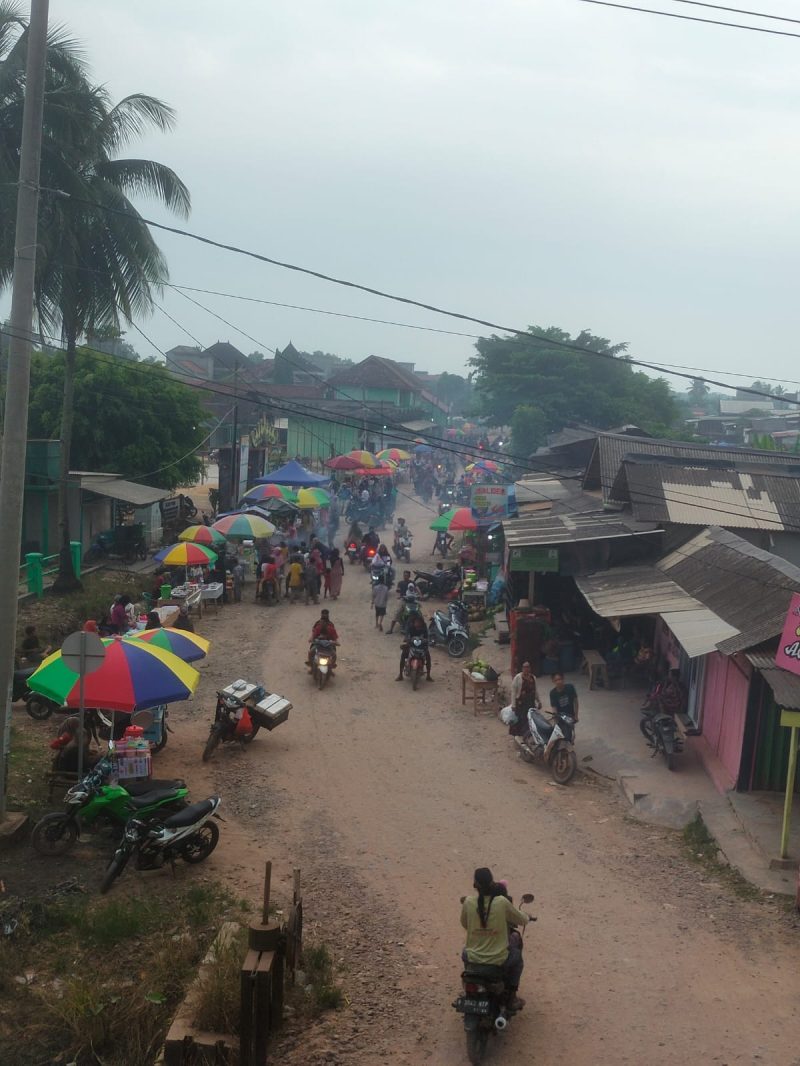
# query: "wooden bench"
596,667
479,688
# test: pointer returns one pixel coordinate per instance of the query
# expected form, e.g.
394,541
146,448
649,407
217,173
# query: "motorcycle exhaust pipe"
500,1022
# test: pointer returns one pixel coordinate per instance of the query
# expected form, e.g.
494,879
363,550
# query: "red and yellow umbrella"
202,535
397,455
245,525
355,460
311,498
185,553
187,646
259,493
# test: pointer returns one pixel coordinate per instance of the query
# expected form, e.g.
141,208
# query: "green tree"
698,393
568,385
97,262
455,390
528,429
134,419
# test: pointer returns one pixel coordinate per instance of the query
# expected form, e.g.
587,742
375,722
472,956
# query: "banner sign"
539,560
493,501
788,653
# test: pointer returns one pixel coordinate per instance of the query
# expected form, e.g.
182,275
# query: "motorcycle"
242,709
415,661
440,583
353,552
190,835
323,660
450,630
95,800
661,732
483,1002
402,546
368,553
550,743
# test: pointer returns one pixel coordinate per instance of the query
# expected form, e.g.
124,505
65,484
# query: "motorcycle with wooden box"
244,707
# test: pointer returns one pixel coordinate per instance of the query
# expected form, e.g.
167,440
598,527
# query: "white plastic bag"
508,716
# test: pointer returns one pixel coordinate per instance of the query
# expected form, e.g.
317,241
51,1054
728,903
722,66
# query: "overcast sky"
527,161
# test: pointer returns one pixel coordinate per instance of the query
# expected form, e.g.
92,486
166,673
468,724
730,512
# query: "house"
389,390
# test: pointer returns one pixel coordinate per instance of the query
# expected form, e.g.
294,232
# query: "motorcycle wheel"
113,870
156,748
563,766
646,726
211,745
249,737
54,834
200,844
669,759
322,680
456,646
476,1044
39,707
415,676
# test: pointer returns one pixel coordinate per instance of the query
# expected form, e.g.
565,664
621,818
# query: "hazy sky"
528,161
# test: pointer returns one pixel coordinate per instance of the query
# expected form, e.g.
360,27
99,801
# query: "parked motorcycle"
483,1002
415,661
450,630
660,730
323,660
242,709
439,583
95,800
190,835
550,743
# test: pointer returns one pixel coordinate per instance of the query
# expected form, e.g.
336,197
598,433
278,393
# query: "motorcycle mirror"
143,718
528,897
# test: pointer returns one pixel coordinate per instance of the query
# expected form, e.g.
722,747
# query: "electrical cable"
693,18
738,11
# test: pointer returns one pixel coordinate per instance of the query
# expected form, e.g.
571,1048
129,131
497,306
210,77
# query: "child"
295,578
380,595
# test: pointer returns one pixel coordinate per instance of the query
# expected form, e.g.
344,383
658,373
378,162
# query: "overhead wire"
692,18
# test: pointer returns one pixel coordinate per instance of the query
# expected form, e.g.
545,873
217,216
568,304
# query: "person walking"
294,579
336,573
311,580
380,596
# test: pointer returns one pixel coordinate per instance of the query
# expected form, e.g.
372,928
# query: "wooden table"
596,667
479,688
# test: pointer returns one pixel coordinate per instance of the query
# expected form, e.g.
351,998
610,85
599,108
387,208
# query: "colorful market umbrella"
134,675
308,499
375,471
387,464
354,460
244,525
423,449
259,493
202,535
397,455
185,553
489,465
187,646
457,519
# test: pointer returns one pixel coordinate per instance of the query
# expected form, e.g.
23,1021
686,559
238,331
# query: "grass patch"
91,981
218,1008
702,849
324,993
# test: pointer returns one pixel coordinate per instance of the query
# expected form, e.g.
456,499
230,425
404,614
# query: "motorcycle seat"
140,788
147,799
487,973
189,814
542,724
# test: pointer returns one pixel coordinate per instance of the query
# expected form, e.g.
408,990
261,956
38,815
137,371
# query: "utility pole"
15,434
235,442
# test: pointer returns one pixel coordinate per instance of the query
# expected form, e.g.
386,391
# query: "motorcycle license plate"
469,1005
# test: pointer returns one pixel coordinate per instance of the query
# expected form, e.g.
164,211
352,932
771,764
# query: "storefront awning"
127,491
785,686
630,590
699,631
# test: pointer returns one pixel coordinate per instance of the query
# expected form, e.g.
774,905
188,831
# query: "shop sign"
493,501
542,560
788,653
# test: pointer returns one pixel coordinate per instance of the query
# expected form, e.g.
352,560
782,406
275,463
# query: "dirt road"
388,798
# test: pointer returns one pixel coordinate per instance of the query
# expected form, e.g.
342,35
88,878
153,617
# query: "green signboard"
542,560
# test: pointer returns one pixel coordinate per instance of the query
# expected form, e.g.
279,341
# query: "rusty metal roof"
537,529
785,686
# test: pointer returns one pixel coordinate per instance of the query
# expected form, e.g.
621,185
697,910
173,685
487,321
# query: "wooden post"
267,889
791,773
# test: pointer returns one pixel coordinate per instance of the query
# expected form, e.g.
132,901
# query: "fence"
37,567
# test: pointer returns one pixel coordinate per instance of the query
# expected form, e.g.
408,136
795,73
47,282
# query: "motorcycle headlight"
323,661
76,794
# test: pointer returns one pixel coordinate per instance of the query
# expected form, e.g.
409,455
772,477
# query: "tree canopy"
133,419
566,385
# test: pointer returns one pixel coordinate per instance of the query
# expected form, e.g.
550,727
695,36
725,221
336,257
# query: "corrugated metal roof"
530,530
543,487
699,631
630,590
748,588
785,686
127,491
700,496
610,450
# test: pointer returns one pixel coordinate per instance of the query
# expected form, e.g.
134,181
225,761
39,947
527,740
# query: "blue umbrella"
422,449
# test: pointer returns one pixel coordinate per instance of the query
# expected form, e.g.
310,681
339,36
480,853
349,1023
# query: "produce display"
477,669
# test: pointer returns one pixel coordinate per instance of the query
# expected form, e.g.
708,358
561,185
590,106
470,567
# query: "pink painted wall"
724,709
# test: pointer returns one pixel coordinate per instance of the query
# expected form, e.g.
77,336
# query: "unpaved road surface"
388,798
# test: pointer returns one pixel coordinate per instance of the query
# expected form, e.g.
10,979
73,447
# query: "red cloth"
329,634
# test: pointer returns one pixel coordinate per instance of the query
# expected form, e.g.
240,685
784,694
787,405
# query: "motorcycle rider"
400,531
486,918
563,698
324,629
404,588
415,627
370,540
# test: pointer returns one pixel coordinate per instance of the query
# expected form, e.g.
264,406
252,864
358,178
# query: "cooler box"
240,689
272,711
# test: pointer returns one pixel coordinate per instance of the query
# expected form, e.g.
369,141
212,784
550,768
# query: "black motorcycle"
242,709
439,583
660,730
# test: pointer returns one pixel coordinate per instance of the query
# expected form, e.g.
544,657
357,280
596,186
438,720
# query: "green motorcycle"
93,802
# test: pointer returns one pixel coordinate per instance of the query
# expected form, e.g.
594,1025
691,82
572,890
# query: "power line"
739,11
692,18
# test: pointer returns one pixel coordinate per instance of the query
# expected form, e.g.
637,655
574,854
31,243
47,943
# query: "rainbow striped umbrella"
133,675
185,553
457,519
308,499
352,461
244,525
397,455
202,535
489,465
187,646
259,493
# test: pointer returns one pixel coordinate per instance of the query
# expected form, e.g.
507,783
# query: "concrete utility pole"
12,469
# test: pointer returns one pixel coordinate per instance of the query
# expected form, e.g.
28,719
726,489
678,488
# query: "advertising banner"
788,653
493,501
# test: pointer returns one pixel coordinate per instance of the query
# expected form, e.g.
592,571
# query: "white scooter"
550,743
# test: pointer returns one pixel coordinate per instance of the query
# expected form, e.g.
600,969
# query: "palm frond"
144,177
132,117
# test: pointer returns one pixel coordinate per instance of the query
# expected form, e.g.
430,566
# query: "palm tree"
97,262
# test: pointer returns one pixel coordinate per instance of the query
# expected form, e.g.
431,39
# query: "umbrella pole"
81,708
